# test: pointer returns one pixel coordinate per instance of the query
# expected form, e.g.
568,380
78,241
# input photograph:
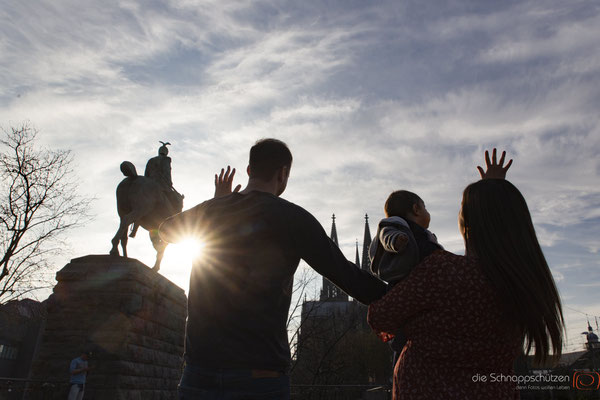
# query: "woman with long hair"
468,317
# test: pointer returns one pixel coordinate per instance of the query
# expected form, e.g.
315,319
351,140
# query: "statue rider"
159,169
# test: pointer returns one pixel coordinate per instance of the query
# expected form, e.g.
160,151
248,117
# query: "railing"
341,392
16,389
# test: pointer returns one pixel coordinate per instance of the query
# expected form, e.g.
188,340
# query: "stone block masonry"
131,318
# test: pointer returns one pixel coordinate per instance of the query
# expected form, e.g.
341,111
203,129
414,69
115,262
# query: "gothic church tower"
366,262
329,291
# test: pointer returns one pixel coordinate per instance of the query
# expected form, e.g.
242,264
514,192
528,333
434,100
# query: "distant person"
466,317
402,241
78,370
592,338
241,287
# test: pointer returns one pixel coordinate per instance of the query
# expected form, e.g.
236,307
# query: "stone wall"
20,324
131,318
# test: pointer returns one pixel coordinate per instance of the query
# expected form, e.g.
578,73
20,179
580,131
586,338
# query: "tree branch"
38,203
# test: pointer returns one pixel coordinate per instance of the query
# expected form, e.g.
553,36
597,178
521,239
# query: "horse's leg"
115,240
134,230
159,246
124,243
121,235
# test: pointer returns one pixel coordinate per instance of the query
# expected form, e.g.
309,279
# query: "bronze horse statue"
141,201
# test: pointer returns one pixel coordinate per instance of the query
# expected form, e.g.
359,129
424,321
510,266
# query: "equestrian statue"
146,201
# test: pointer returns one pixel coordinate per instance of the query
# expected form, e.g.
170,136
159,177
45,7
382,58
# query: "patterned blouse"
460,344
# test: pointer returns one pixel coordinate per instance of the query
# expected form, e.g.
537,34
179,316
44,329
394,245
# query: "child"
402,241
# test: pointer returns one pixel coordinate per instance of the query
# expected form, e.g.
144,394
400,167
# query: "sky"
371,97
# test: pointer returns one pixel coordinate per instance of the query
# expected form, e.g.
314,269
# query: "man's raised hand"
494,170
224,181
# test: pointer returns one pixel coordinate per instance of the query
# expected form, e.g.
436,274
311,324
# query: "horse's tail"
128,169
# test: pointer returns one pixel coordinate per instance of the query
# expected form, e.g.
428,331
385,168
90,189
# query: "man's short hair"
267,156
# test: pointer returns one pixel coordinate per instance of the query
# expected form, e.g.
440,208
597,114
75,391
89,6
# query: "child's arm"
393,239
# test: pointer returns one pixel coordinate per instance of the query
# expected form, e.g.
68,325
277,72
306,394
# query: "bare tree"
303,279
38,203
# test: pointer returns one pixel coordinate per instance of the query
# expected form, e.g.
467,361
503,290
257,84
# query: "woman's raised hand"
224,181
494,170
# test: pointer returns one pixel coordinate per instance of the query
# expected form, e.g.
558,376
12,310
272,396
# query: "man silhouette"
241,286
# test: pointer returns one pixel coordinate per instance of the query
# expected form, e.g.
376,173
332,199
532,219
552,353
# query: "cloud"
544,39
370,98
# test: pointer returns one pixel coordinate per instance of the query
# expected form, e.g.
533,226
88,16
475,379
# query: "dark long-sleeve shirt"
241,286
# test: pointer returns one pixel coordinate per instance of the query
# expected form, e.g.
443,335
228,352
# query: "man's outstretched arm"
325,257
182,226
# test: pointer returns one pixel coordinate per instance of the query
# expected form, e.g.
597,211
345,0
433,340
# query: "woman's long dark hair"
499,231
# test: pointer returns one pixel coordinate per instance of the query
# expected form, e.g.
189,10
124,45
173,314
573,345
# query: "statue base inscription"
131,319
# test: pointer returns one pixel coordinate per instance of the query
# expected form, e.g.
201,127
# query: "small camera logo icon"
586,380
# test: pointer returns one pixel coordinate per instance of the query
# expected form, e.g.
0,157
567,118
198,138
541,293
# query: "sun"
179,259
191,249
184,252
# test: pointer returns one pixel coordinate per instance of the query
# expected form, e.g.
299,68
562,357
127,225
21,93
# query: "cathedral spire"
334,231
357,262
330,292
366,263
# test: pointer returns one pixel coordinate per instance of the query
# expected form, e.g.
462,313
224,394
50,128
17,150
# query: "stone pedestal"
131,318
